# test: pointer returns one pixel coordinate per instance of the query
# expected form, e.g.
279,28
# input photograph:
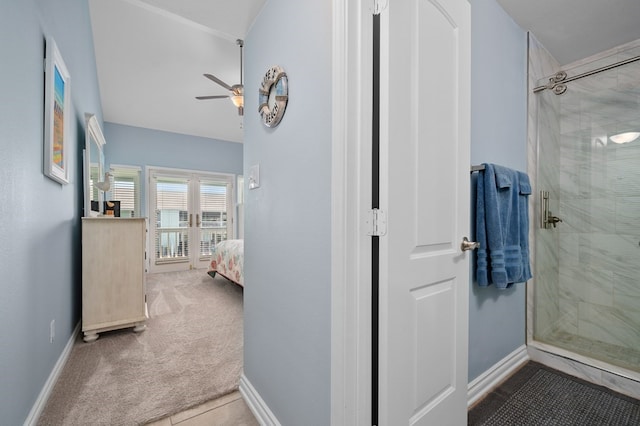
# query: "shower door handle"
468,245
544,209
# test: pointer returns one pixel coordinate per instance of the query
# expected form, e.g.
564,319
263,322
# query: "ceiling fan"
237,90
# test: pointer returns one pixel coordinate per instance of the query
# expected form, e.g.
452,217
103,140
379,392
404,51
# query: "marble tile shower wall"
599,203
548,300
542,165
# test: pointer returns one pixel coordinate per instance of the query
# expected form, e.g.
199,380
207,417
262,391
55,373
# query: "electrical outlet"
52,331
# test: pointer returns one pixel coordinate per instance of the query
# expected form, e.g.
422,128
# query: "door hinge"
379,6
376,223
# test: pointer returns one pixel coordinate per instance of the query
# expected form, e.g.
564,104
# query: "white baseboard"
38,406
477,389
491,378
256,404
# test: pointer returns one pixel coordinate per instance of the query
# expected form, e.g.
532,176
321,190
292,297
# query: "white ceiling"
576,29
151,54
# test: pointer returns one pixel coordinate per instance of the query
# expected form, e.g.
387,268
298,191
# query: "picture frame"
112,208
57,115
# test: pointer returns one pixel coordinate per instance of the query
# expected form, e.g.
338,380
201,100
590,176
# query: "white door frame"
351,198
351,325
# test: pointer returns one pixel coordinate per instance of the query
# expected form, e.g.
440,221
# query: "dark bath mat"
538,395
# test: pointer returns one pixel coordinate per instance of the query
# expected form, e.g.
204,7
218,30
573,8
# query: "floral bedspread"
228,260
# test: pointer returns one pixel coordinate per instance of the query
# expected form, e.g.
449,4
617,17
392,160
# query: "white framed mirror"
93,164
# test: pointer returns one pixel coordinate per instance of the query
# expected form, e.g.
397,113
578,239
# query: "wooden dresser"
113,275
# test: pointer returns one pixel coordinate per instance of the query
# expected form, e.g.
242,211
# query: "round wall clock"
273,96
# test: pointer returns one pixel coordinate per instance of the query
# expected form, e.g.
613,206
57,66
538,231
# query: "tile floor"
229,410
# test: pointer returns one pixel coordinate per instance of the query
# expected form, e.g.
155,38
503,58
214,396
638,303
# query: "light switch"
254,176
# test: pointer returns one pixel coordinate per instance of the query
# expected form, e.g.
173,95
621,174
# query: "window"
125,187
213,209
172,218
190,212
93,178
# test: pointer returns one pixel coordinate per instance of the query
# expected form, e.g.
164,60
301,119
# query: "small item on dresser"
112,208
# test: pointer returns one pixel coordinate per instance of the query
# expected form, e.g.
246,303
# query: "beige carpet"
190,353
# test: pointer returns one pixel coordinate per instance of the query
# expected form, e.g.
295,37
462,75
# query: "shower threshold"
569,361
626,358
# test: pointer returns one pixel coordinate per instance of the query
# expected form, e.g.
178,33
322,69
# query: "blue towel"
502,227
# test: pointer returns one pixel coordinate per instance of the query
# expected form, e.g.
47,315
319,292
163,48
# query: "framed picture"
57,115
112,208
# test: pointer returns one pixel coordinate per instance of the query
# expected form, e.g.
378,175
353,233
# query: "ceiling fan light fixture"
237,95
238,100
624,137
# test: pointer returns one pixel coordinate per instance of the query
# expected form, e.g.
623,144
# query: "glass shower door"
587,267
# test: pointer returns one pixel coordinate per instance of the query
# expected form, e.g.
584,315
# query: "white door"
424,275
190,214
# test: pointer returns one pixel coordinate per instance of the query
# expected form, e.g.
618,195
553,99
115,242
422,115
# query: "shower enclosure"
587,213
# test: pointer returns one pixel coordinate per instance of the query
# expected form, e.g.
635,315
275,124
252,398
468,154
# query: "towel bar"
479,168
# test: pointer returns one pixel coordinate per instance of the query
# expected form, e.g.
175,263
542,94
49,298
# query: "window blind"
213,197
171,194
213,210
172,232
125,187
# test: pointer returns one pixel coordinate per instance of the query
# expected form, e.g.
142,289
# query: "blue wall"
287,299
136,146
287,311
498,135
287,334
40,250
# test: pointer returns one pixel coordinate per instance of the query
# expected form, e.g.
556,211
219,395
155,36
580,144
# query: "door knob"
469,245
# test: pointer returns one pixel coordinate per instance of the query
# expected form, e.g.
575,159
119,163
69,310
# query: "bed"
228,260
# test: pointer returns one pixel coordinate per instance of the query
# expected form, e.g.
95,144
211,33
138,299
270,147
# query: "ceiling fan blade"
217,80
212,97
